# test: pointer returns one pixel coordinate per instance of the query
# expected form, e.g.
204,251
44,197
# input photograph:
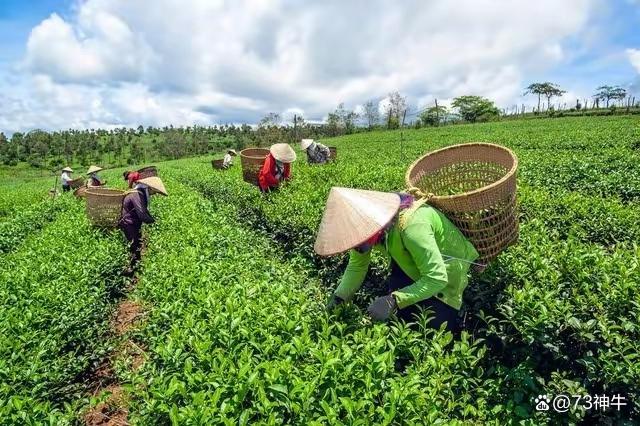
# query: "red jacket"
267,176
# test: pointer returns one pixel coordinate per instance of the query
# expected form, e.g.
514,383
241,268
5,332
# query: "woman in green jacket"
430,257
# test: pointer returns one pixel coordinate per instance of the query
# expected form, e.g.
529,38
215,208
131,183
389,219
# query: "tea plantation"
235,331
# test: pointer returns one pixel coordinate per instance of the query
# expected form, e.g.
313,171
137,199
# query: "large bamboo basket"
80,192
217,164
150,171
77,182
252,160
333,153
474,185
104,206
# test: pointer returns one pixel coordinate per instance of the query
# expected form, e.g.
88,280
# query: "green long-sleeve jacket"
418,249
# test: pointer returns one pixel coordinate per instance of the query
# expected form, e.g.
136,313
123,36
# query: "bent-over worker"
430,257
94,179
66,178
317,153
228,159
131,177
135,212
276,167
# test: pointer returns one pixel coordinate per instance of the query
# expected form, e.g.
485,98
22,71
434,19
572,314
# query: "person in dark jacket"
135,212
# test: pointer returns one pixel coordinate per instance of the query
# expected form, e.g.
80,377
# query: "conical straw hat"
305,143
154,183
352,216
67,169
232,151
93,169
283,152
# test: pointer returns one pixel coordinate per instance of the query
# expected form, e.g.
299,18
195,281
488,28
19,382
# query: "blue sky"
107,63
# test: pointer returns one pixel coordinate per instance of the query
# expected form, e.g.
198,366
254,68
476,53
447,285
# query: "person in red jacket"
276,167
131,177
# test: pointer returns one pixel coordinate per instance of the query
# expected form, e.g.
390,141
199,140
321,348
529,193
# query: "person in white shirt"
317,153
66,178
228,160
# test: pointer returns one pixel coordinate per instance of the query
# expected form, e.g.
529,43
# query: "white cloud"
634,58
117,62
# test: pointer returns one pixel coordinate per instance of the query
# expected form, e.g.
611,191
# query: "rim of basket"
500,181
254,156
108,192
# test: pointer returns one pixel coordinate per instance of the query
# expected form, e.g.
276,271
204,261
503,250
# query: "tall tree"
434,116
552,90
475,108
371,113
606,93
536,89
395,109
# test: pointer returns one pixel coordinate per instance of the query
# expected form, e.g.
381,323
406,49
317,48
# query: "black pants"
66,188
133,234
441,312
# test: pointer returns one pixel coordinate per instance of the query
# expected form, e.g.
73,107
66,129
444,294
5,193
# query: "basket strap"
421,199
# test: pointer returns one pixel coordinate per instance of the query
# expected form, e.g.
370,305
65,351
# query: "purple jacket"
134,210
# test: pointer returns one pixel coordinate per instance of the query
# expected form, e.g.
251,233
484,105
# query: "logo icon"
542,403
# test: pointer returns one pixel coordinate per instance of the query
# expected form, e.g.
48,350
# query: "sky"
123,63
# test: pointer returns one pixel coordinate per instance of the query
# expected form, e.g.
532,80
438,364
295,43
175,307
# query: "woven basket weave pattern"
333,153
252,160
474,185
104,206
147,172
76,183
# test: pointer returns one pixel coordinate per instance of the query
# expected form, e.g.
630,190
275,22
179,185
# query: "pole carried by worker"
135,212
228,158
417,238
317,153
66,178
276,167
94,179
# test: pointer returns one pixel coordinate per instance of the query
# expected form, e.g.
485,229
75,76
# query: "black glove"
382,308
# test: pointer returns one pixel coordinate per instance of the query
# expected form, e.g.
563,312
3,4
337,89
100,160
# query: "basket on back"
217,164
252,160
150,171
474,185
77,182
80,192
333,153
104,206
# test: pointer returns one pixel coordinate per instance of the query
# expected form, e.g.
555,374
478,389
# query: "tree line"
123,146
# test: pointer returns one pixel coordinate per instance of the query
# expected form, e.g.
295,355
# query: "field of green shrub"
236,331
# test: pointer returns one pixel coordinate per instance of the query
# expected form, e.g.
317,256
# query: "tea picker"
135,212
227,161
414,235
94,179
317,153
131,177
66,179
276,167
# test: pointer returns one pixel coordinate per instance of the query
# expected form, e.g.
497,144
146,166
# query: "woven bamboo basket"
77,182
80,192
104,206
150,171
474,185
252,160
217,164
333,153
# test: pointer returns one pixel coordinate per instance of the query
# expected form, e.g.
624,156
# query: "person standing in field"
276,167
131,177
66,178
430,257
135,212
94,179
317,153
228,158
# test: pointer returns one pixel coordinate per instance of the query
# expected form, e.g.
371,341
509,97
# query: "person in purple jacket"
135,212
